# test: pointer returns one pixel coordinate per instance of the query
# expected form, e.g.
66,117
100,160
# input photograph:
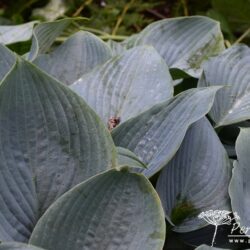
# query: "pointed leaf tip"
50,141
156,134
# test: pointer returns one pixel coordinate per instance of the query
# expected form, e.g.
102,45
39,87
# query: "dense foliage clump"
140,144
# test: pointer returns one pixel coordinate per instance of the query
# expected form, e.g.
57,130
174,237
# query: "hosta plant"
107,145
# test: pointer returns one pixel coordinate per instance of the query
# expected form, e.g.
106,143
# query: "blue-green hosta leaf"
18,246
155,135
239,188
75,57
44,34
114,210
116,47
230,150
206,247
7,60
50,140
184,42
126,85
128,158
196,179
16,33
230,69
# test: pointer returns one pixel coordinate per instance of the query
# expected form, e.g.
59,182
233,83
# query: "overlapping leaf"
126,85
116,47
114,210
126,157
77,56
155,135
196,179
7,60
230,69
239,188
44,35
18,246
50,140
184,42
16,33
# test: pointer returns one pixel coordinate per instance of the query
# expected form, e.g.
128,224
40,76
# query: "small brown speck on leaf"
113,122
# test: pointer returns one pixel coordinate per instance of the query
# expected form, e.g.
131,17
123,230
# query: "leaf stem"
155,13
82,6
185,7
121,17
99,32
227,44
103,37
113,37
96,31
244,35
